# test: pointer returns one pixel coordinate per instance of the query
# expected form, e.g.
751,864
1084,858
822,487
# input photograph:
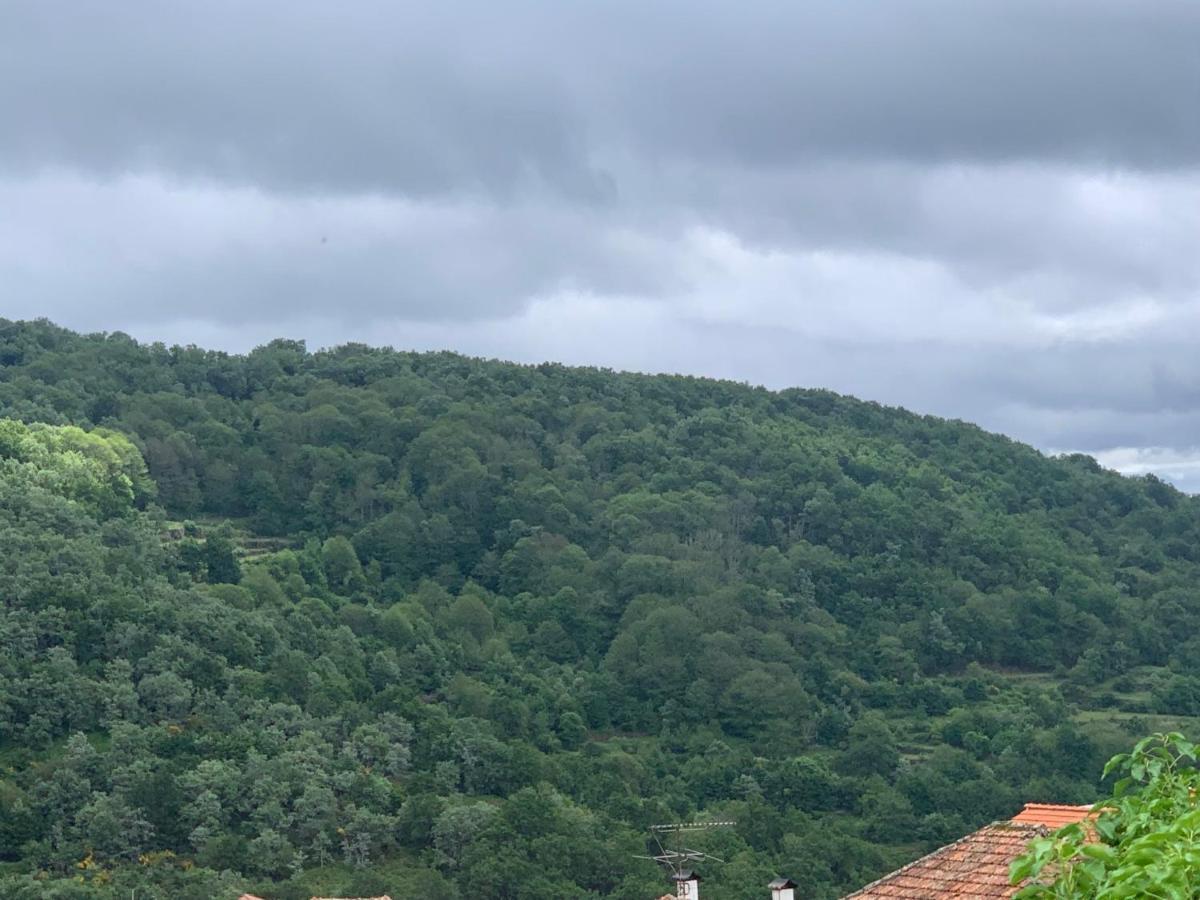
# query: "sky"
981,210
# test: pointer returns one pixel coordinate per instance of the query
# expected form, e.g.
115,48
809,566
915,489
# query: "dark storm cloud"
921,81
981,209
294,96
419,98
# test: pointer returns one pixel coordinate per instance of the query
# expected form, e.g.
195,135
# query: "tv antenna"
677,860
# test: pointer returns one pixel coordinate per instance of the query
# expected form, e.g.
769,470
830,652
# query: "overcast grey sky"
987,210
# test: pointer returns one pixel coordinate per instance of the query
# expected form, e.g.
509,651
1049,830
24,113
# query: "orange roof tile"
972,868
1052,815
976,866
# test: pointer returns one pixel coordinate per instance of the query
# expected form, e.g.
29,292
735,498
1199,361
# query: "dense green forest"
363,620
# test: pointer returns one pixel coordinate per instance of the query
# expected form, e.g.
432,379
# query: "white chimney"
687,885
783,889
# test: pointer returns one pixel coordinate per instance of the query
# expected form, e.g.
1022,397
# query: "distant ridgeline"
362,621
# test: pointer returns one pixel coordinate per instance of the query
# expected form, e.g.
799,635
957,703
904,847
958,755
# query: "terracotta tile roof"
972,868
976,866
1052,815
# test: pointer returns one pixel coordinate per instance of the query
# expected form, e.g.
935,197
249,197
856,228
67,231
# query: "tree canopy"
363,620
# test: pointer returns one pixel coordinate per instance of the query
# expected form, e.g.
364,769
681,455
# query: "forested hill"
366,620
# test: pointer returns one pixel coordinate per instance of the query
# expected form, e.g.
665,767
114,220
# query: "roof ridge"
1006,824
1061,805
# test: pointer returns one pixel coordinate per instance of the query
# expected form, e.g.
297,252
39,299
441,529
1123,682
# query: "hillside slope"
521,613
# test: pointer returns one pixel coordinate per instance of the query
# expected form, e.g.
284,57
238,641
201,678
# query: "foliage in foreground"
1145,842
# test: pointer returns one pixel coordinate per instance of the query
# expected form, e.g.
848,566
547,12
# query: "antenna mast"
676,860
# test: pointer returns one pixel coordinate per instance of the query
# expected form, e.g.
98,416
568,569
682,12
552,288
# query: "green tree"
870,748
342,567
220,561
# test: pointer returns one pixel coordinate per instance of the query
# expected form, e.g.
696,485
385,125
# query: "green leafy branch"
1144,840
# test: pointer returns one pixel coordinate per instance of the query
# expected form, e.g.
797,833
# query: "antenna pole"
676,860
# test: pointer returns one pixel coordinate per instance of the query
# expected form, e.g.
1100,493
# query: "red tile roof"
974,867
1052,815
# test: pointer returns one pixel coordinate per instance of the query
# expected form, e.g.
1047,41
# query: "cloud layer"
980,209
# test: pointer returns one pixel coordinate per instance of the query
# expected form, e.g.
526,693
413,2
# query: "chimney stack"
687,885
783,889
